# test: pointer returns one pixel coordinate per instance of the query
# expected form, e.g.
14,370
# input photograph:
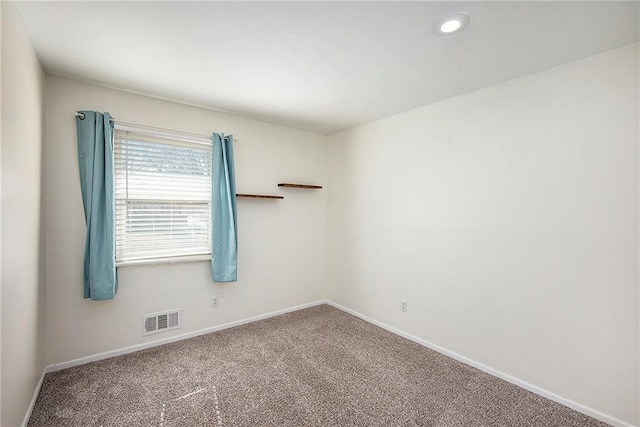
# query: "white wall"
22,284
282,243
508,219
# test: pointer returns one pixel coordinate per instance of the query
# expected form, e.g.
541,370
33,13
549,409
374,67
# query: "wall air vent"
160,322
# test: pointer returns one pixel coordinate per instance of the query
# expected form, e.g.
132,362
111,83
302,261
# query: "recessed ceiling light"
451,24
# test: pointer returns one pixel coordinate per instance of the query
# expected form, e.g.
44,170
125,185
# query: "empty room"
350,213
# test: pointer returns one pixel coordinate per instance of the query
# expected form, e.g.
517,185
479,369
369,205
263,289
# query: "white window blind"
162,197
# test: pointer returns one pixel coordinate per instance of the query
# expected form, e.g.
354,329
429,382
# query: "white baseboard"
112,353
521,383
36,392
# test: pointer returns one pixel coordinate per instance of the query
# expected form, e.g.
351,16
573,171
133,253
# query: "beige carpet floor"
315,367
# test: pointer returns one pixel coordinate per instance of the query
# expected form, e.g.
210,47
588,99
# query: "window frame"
179,139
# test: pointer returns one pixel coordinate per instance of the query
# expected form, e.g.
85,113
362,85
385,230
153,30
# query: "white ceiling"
320,66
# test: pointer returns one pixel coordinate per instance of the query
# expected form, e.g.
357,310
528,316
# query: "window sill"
164,260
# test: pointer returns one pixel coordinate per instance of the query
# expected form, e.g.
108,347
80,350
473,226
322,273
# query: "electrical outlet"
403,305
215,301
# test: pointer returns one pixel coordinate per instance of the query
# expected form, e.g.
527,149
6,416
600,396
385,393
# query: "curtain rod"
81,115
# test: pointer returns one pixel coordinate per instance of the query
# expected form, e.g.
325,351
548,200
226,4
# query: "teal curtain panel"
224,251
95,159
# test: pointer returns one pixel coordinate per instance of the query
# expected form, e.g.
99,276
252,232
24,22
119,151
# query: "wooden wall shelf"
259,196
290,185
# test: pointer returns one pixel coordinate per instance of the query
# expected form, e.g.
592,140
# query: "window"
162,197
